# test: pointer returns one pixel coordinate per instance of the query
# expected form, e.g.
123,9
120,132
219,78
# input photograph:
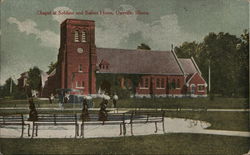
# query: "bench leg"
22,130
163,126
36,129
124,129
29,130
120,128
33,128
75,131
131,129
156,129
82,130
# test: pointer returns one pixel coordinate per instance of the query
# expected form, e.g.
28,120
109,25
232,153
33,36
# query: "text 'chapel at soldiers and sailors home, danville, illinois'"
158,73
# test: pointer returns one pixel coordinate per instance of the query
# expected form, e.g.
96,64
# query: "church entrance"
106,87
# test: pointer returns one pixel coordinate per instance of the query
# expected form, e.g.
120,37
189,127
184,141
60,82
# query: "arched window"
80,68
84,36
157,83
146,83
76,38
162,83
173,85
178,83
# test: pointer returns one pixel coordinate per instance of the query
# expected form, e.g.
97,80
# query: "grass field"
168,144
217,102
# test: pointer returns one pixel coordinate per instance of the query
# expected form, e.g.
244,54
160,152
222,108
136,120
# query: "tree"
52,66
8,88
243,53
34,78
143,46
227,55
188,50
219,51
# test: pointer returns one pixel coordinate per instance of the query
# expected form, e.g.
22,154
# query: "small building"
83,66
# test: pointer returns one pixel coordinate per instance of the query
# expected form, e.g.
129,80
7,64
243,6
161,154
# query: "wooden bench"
126,118
53,119
138,117
93,119
14,120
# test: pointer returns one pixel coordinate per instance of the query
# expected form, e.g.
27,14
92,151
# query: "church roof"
188,66
126,61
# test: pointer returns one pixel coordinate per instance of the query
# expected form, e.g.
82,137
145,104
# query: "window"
146,83
84,36
157,83
76,39
173,85
201,88
79,84
178,83
162,83
80,68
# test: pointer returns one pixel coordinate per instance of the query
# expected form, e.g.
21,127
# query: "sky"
30,39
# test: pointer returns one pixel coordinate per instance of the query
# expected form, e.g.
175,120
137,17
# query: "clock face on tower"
79,50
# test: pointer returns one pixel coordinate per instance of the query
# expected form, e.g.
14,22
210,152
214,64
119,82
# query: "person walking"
115,99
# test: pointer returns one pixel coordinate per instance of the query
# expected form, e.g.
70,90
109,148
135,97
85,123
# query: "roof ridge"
196,66
132,49
178,62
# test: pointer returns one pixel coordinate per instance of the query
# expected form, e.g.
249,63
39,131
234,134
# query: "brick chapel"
79,63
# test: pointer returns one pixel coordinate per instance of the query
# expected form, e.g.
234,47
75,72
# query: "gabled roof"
188,66
138,61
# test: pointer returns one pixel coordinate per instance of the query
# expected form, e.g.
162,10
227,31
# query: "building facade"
161,73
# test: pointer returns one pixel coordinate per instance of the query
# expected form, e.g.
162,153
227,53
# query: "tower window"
80,68
84,36
76,39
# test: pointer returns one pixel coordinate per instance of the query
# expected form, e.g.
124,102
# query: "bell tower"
77,56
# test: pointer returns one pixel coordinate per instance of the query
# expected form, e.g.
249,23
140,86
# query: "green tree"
34,78
51,66
188,50
220,52
8,88
243,53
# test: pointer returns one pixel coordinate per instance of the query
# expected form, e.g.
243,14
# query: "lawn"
168,144
217,102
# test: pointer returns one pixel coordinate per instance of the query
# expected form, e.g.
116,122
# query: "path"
127,109
172,125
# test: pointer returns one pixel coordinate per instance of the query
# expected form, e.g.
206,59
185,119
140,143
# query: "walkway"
127,109
172,125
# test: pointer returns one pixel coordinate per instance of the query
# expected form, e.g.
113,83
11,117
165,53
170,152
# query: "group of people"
103,113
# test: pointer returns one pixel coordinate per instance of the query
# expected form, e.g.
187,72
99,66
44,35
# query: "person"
33,113
103,114
85,112
66,98
115,99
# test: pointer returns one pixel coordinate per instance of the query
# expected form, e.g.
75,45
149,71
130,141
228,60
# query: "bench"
14,120
93,119
53,119
126,118
138,117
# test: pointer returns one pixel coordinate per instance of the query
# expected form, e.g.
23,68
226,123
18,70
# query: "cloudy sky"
29,39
